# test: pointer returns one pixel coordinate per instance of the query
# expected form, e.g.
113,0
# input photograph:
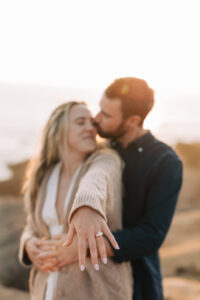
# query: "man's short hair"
136,97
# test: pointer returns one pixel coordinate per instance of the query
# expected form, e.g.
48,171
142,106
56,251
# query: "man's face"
109,121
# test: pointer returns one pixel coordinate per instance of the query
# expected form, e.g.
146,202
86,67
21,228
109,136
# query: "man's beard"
114,135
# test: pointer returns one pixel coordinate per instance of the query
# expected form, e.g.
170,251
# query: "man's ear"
133,121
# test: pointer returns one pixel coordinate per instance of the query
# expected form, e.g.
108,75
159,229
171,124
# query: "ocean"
25,109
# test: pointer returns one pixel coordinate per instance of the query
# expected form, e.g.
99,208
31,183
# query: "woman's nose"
90,126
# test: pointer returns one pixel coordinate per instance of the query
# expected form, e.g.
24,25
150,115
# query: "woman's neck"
70,163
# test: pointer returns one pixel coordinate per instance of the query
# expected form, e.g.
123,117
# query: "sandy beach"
180,253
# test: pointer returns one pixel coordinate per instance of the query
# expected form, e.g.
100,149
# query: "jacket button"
140,149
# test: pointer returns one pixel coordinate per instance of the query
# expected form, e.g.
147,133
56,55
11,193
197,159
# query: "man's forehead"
106,103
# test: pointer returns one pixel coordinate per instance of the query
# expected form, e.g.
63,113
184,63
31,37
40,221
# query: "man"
152,179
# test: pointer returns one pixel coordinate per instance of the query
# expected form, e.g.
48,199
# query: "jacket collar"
140,143
42,228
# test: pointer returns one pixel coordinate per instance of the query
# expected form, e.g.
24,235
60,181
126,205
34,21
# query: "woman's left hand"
86,224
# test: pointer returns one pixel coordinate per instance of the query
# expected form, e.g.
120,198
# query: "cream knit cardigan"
98,186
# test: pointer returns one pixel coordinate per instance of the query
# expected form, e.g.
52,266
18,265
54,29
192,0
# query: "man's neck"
129,137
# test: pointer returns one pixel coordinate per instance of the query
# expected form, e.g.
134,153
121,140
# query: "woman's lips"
89,138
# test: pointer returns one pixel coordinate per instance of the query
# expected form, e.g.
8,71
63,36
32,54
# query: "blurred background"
55,51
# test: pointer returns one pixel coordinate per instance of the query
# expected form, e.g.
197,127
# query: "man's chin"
114,135
109,135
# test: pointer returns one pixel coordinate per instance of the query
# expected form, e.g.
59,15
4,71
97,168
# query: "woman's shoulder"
105,154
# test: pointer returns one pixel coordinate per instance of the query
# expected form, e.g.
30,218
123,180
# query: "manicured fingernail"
96,267
105,260
82,267
64,244
117,247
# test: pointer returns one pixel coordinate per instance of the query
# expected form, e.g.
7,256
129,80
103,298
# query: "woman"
71,170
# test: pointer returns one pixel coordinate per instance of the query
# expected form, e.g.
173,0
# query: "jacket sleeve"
150,232
93,190
27,233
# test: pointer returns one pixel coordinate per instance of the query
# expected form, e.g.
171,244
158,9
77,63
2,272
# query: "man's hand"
34,252
55,255
87,222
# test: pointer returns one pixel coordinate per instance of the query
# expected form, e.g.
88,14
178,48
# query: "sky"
88,43
50,50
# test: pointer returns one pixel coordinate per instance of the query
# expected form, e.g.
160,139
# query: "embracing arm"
99,178
88,214
149,234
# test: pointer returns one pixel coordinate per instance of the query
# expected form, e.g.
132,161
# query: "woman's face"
81,135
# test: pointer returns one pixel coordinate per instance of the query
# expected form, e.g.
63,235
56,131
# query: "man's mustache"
96,125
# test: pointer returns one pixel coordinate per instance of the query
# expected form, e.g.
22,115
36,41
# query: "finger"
58,237
52,260
70,236
48,248
81,251
47,255
110,237
44,238
34,251
38,266
93,253
49,268
43,243
102,249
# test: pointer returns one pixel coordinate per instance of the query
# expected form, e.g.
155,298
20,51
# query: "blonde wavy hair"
52,148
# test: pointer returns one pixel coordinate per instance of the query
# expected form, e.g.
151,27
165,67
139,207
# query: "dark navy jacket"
152,179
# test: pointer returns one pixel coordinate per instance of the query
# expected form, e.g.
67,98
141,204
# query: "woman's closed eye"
80,121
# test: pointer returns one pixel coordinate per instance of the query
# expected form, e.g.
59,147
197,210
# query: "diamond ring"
99,234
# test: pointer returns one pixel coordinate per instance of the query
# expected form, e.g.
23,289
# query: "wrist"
27,242
27,259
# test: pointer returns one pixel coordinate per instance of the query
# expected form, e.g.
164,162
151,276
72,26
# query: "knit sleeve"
94,187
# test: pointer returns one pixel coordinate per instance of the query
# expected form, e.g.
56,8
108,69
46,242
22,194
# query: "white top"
50,217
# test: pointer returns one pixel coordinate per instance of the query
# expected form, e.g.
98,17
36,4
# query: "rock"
181,289
13,185
10,294
181,251
189,153
12,219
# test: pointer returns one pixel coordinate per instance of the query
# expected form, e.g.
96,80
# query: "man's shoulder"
164,161
163,149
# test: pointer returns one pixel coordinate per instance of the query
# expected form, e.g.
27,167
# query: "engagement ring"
99,234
